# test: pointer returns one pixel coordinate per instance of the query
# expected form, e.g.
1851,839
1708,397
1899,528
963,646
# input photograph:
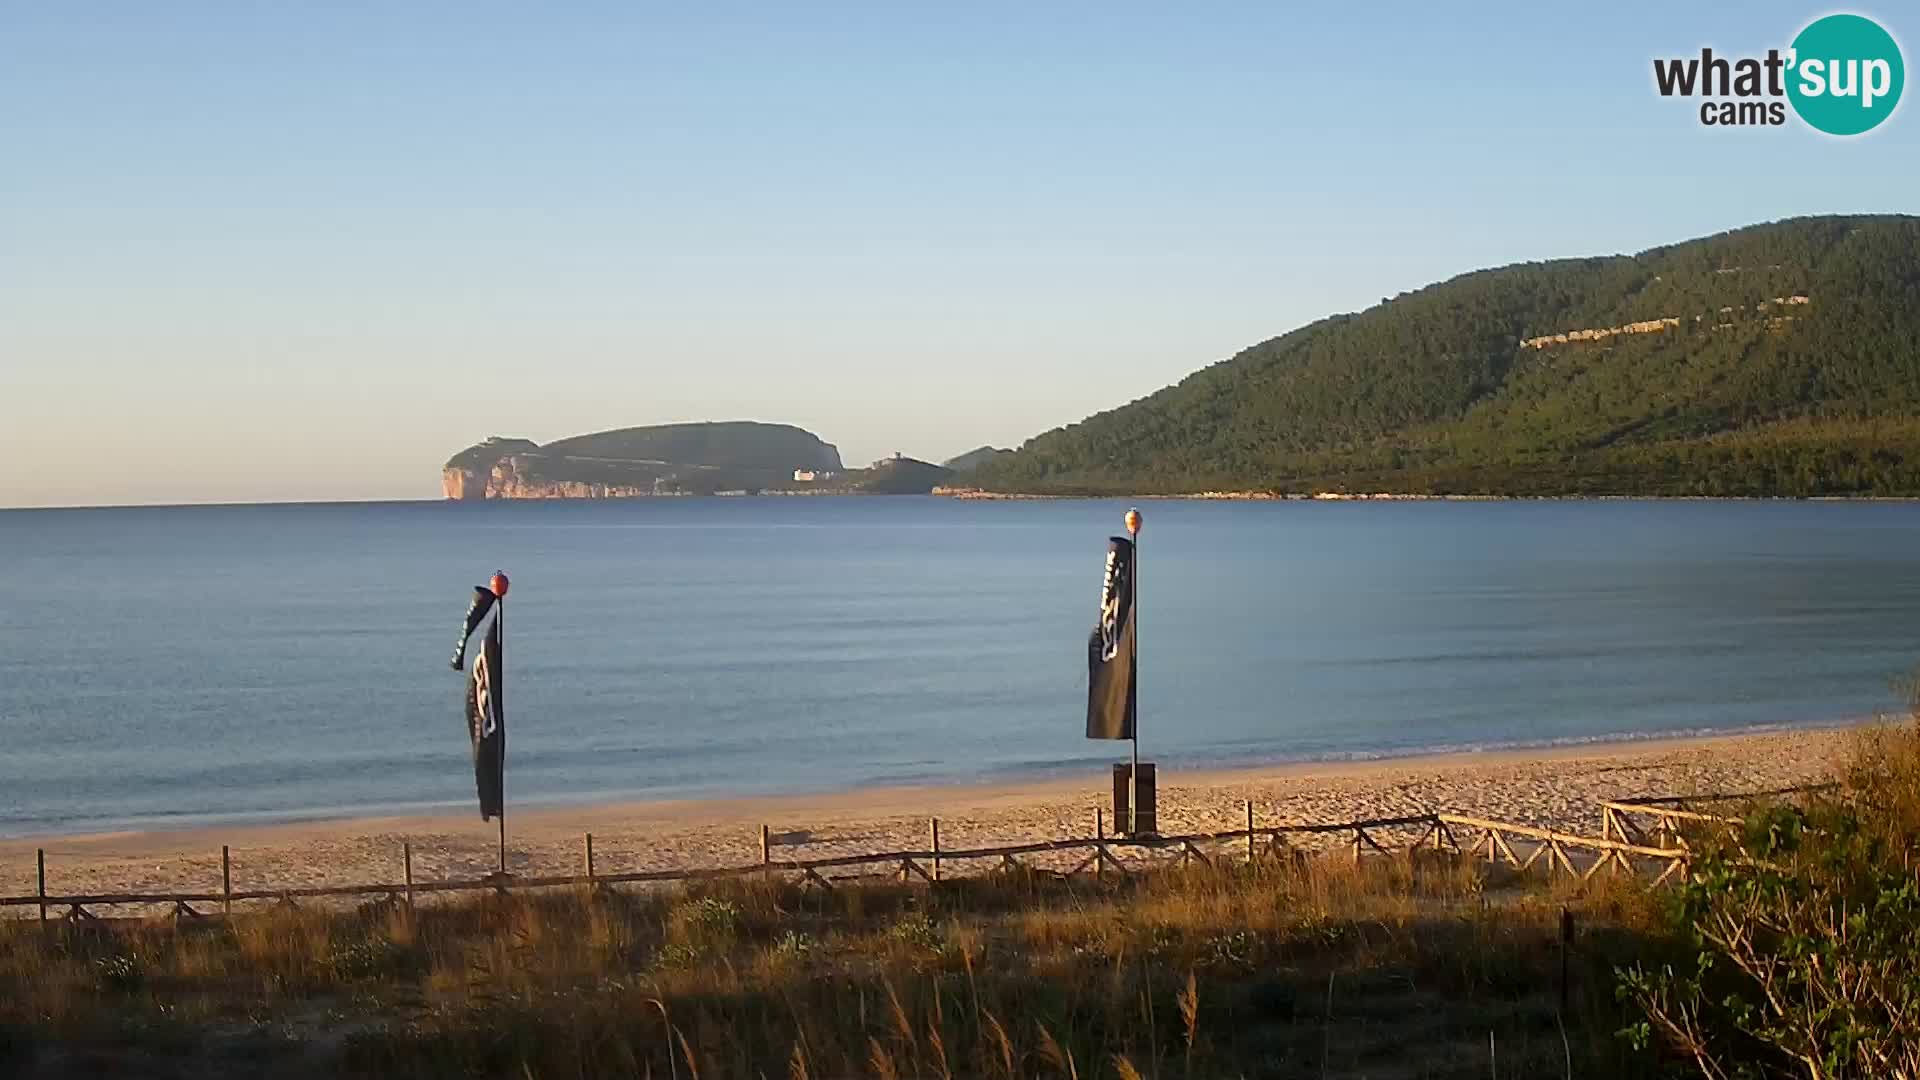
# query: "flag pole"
500,621
486,698
1133,659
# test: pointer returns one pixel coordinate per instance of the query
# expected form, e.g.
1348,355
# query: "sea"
184,666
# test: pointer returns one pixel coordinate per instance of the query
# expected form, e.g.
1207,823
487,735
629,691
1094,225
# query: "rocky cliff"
467,474
529,476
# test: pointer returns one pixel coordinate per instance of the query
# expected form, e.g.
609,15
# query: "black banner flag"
1110,660
486,701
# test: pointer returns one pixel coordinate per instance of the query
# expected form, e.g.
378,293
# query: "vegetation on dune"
1749,391
1804,926
1322,968
1788,954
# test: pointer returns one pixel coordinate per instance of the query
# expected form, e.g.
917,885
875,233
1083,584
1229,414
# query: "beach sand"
1559,787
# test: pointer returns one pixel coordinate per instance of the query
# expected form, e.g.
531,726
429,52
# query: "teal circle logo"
1846,74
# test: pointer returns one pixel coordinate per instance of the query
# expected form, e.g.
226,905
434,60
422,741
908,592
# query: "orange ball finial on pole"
1133,522
499,584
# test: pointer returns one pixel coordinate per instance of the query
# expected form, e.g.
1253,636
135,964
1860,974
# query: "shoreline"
1554,786
965,494
1032,779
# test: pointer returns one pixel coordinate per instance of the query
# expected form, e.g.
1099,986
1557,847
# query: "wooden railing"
1102,855
1672,815
927,864
1552,845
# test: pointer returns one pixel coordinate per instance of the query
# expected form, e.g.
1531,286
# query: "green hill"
975,458
482,455
698,458
1777,359
724,444
902,476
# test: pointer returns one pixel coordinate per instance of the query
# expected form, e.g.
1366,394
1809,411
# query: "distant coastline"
982,494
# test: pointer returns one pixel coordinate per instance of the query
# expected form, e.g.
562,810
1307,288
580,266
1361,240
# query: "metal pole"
500,623
1133,790
1133,703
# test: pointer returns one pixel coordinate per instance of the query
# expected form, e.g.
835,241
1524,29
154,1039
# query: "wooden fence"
1496,843
1552,846
1672,815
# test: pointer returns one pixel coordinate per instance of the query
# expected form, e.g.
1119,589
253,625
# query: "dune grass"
1397,967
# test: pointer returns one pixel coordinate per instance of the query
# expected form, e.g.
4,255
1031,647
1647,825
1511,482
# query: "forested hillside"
1777,359
726,444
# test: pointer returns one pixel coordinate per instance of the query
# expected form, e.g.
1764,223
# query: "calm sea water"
171,666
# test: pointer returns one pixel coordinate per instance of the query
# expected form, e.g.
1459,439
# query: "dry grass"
1393,968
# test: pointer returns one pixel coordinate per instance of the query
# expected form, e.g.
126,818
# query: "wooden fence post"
1099,849
589,860
1566,947
766,854
933,831
406,856
1249,831
40,861
226,881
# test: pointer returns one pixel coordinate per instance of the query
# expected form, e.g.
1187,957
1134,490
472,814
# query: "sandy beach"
1557,787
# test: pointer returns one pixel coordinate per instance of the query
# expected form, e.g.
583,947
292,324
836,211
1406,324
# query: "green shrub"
1801,935
119,971
371,957
916,931
794,945
709,920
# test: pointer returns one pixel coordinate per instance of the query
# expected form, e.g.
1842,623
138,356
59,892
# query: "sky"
306,252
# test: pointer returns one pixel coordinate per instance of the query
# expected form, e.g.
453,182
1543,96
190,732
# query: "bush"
794,945
119,971
1801,934
916,932
371,957
707,922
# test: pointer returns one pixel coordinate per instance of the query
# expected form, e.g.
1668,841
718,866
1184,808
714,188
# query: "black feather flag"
486,701
1111,689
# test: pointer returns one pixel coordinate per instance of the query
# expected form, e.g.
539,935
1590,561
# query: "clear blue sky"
279,251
